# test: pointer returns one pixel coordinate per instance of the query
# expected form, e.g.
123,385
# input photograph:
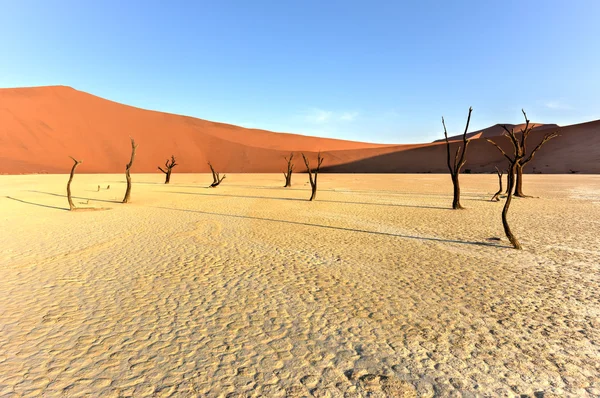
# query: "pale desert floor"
376,289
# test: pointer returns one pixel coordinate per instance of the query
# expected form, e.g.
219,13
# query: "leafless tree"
459,161
127,172
522,149
313,181
496,196
513,161
168,168
290,169
216,179
75,164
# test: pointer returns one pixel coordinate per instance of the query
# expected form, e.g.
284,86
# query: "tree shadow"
336,228
76,197
37,204
306,200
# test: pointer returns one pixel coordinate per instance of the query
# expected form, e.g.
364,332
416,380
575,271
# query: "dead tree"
496,196
513,161
290,169
127,169
168,168
216,179
522,148
75,164
459,161
313,181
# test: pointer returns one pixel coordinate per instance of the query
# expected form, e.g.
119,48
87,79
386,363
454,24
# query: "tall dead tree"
313,181
290,169
127,172
459,161
75,164
513,161
168,167
216,179
496,196
522,148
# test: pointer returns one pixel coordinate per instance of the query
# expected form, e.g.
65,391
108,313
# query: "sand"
40,127
375,289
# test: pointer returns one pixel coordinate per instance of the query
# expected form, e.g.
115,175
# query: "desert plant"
290,169
459,161
168,168
75,164
127,172
496,196
216,179
313,181
513,161
522,149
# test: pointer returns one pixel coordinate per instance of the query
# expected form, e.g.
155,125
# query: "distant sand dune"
41,126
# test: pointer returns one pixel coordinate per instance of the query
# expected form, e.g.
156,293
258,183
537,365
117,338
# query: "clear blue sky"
369,70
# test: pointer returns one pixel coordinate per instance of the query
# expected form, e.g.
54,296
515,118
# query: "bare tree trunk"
496,196
216,179
313,188
507,178
127,172
456,201
168,168
519,182
511,182
290,169
313,182
75,164
459,161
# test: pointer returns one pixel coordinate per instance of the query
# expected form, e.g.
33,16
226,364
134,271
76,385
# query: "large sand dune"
41,126
377,289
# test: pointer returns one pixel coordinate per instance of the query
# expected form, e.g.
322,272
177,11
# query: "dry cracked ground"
376,289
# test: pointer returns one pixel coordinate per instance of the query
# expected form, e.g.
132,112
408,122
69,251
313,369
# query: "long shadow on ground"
77,197
305,200
334,227
37,204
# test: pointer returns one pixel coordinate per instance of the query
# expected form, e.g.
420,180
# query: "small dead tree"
496,196
513,161
216,179
459,161
75,164
522,149
290,169
127,171
168,168
313,181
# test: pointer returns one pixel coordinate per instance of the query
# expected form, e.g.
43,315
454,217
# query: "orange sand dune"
41,126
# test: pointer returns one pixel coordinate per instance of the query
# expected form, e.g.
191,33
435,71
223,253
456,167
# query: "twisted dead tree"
313,181
496,196
127,174
513,161
168,168
290,169
216,179
75,164
522,148
459,161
